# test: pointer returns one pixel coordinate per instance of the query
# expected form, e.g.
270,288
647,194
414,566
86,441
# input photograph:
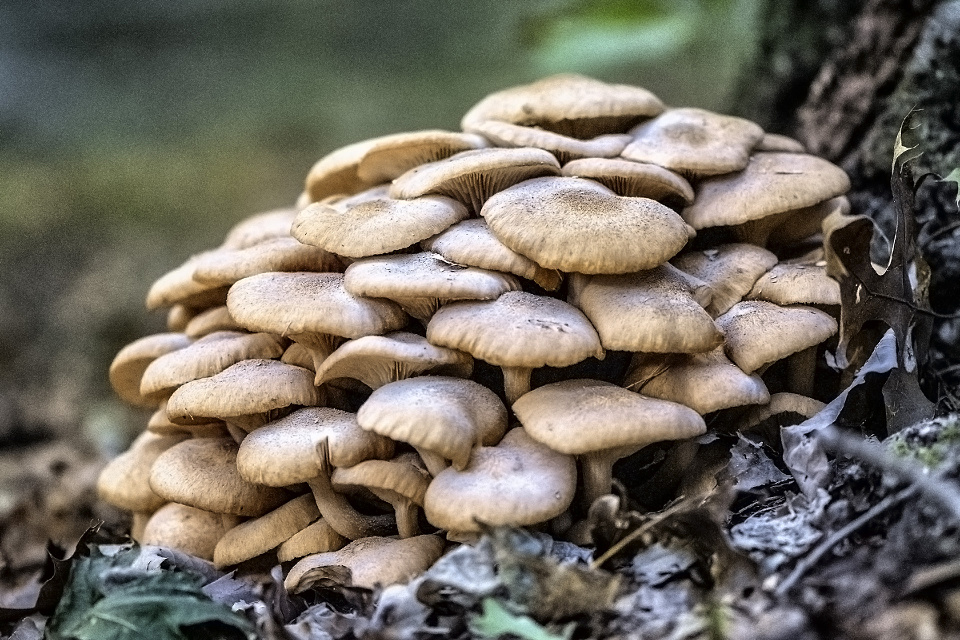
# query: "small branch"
639,531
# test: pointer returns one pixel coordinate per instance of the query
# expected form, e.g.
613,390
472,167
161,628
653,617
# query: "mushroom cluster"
414,348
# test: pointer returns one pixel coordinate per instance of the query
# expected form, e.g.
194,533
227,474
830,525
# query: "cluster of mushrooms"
415,348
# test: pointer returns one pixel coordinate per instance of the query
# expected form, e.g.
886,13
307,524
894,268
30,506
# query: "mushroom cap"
779,142
336,172
253,537
187,529
393,155
161,425
397,477
284,452
375,226
705,382
367,563
519,482
225,266
771,183
126,370
759,332
781,403
472,243
584,416
125,481
257,228
206,322
518,329
377,360
179,287
694,142
568,104
207,356
803,280
565,148
202,473
633,179
317,537
301,302
572,224
448,416
178,316
659,310
729,269
245,388
471,177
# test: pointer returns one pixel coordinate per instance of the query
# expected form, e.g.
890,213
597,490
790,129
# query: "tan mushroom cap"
471,177
730,270
694,142
391,156
187,529
759,332
771,183
472,243
317,537
445,416
779,142
781,403
226,266
367,563
659,310
803,280
336,172
401,481
304,303
258,228
202,473
253,537
565,148
375,226
601,423
124,482
518,482
206,322
518,332
568,104
634,179
420,282
572,224
299,356
284,452
248,387
178,316
207,356
161,425
179,287
705,382
126,370
378,360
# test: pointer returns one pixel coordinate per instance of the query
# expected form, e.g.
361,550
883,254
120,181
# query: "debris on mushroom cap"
572,224
729,269
517,482
253,537
803,280
634,179
187,529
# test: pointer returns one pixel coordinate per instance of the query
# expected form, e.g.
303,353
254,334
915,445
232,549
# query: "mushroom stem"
596,468
407,513
516,382
138,524
342,517
434,462
803,367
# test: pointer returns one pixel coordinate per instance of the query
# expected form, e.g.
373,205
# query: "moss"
929,444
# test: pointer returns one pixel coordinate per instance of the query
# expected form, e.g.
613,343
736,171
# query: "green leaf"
497,621
954,177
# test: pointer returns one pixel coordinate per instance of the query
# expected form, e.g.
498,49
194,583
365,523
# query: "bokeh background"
133,134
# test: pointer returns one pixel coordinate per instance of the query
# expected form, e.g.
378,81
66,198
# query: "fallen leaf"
496,621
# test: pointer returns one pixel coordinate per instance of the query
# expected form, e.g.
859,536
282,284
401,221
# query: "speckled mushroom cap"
705,382
568,104
253,537
730,269
803,280
633,179
659,310
519,482
202,473
126,370
572,224
393,155
300,302
245,388
471,177
258,228
225,266
443,415
207,356
284,452
472,243
124,482
694,142
187,529
377,360
758,332
771,183
565,148
367,563
375,226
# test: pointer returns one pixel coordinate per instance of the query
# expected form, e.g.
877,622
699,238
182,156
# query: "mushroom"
126,370
210,321
402,482
187,529
565,148
225,266
729,269
634,179
316,537
125,481
259,535
258,228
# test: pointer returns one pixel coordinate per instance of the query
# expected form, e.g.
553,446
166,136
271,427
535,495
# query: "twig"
636,533
808,561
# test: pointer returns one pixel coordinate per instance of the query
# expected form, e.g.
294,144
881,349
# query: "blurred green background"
133,134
